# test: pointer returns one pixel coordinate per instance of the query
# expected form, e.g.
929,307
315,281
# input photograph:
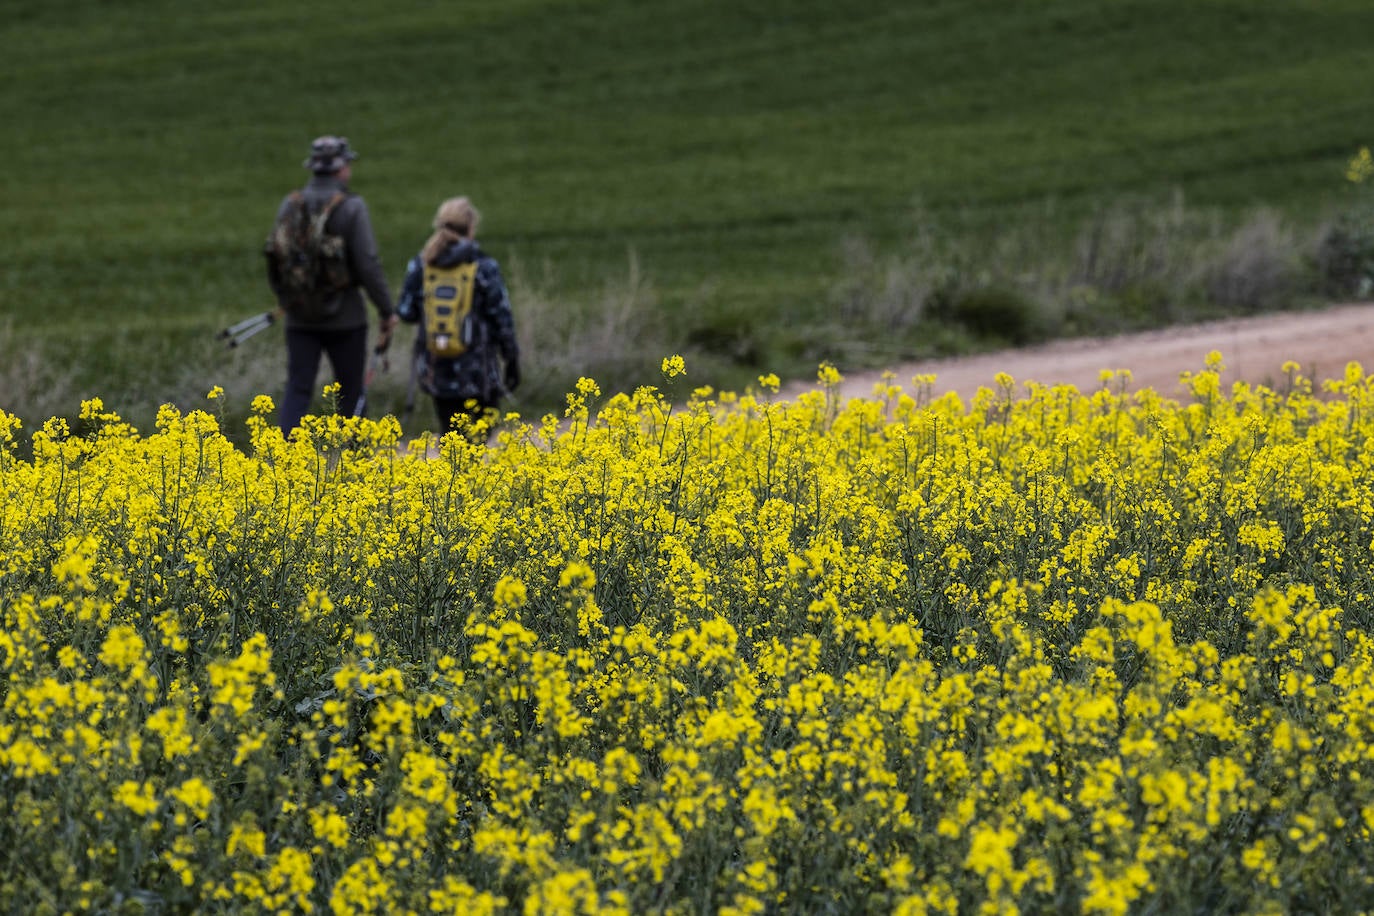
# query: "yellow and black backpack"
449,322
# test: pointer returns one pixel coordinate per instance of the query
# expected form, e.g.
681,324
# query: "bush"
997,315
1255,269
731,335
1129,265
1345,255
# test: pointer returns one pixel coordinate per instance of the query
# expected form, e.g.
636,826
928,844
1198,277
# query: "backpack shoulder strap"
320,219
337,198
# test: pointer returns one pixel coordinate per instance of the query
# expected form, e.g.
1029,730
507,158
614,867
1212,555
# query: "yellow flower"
138,797
329,827
70,658
990,855
195,796
1361,167
362,888
123,649
577,575
236,681
92,408
171,726
457,896
563,894
828,375
290,880
245,837
77,562
1113,893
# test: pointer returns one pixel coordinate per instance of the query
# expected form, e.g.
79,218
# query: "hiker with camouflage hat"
337,325
466,350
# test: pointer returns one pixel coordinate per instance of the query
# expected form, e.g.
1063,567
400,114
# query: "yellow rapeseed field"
1040,651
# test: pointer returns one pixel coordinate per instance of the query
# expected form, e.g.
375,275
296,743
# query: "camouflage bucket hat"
329,154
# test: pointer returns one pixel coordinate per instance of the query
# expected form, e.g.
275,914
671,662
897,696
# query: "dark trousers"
347,352
449,409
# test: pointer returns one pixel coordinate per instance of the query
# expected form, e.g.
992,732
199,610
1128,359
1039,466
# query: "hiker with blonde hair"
468,357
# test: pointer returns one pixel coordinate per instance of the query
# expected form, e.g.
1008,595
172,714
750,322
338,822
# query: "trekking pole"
378,361
507,395
417,366
236,334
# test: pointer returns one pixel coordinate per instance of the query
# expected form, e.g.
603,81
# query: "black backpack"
306,266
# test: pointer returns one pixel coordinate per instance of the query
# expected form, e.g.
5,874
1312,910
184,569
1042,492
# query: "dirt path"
1252,349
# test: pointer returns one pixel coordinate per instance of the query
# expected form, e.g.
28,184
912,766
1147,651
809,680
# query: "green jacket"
351,221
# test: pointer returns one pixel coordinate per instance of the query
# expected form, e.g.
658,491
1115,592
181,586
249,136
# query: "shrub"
995,314
1345,255
1256,268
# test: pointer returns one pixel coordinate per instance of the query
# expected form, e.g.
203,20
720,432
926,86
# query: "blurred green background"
758,185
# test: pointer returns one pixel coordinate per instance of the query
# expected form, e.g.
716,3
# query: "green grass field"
703,161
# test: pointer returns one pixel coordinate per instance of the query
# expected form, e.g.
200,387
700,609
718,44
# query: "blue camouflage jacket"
476,373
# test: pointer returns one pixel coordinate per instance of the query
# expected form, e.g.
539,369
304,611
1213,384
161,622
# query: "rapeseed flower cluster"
1042,650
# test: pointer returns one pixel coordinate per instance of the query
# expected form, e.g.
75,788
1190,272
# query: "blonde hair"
455,220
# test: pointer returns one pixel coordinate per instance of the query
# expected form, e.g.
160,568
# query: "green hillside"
725,149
